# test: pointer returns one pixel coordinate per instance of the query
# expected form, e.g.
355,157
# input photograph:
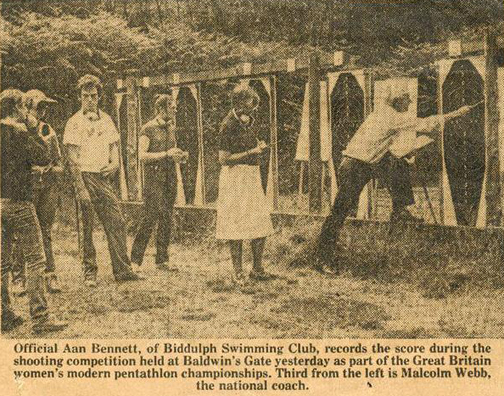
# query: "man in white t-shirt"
91,140
374,152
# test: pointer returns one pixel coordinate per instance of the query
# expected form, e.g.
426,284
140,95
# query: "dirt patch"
331,311
141,301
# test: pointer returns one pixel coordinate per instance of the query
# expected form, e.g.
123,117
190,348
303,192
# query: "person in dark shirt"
158,152
242,209
45,190
20,151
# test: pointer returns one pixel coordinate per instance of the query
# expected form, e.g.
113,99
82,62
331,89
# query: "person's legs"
108,209
396,174
17,269
29,239
9,318
150,217
167,200
257,253
46,203
145,228
23,221
235,247
353,175
89,266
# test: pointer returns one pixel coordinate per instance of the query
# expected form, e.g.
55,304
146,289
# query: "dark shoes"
90,283
404,216
261,276
128,277
49,325
10,322
326,263
166,267
52,284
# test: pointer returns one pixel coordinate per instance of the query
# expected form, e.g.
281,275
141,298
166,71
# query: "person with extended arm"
369,155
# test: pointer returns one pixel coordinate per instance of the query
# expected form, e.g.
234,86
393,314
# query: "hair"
241,95
89,81
10,99
394,100
161,102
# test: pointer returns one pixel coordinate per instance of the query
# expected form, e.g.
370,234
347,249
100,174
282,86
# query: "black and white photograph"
252,169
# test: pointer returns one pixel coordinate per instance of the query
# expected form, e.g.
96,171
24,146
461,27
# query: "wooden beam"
315,161
327,61
475,47
132,146
493,182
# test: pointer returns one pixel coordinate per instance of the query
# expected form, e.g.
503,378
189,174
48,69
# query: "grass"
392,285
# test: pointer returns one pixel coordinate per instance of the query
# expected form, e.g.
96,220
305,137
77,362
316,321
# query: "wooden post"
315,161
274,140
440,111
493,182
199,108
372,190
132,144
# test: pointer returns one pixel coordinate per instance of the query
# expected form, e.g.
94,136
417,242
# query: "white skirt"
242,209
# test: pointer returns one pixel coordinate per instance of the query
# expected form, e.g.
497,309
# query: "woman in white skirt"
242,210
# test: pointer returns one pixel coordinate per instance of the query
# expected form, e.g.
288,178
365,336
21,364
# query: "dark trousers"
353,175
19,221
45,200
160,193
107,207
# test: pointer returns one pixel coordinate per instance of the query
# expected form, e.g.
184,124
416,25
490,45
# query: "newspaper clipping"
252,197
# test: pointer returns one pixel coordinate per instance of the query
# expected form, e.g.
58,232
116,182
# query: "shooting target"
464,141
187,140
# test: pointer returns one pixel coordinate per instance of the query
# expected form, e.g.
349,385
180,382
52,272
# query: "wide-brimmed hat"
36,96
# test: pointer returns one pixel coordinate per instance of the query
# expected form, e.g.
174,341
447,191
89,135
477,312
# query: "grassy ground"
393,286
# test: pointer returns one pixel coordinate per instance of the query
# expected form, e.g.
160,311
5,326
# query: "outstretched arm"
429,124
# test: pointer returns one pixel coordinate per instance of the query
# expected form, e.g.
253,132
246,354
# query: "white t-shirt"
93,138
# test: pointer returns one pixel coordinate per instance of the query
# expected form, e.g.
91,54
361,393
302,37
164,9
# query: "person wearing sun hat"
22,149
45,183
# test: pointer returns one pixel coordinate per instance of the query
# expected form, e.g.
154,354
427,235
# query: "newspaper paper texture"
252,197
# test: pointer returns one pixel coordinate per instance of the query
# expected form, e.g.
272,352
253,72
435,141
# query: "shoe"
90,283
261,276
52,284
136,268
18,288
404,216
10,322
129,277
166,267
240,279
49,325
327,269
326,264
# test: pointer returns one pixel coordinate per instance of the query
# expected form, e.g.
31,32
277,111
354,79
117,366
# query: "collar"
162,123
244,124
84,114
